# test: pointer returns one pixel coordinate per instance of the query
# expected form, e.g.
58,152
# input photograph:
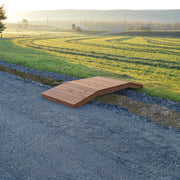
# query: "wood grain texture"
77,93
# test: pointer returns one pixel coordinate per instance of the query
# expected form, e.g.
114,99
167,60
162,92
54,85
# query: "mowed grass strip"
136,59
32,58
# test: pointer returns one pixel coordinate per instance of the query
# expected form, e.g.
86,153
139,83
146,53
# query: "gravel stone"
40,139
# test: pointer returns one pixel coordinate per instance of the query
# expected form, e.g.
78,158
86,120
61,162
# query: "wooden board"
77,93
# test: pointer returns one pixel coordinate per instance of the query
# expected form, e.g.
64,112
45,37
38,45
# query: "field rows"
154,62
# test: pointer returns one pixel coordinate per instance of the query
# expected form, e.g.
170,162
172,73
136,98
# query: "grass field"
152,61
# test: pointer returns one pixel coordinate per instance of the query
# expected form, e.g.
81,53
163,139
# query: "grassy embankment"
152,61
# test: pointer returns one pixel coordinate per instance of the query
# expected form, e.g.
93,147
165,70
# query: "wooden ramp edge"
77,93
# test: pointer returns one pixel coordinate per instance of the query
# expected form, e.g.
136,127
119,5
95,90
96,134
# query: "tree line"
2,18
129,25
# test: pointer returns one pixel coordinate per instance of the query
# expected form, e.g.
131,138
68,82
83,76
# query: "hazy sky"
23,5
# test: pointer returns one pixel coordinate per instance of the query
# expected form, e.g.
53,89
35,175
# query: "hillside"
160,16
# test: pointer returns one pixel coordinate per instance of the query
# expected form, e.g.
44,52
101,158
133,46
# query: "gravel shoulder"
41,139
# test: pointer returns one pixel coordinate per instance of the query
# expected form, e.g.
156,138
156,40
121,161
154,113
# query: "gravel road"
40,139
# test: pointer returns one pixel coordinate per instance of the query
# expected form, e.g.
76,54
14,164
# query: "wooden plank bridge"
77,93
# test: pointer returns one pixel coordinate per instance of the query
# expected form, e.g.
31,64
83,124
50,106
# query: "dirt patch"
153,112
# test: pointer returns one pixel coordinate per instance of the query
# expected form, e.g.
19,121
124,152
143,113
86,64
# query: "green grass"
152,61
32,58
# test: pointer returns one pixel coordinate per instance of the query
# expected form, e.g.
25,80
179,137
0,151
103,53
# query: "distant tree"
175,26
78,29
130,27
146,29
25,22
73,26
2,17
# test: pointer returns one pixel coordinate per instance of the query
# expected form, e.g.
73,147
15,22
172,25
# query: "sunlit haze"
22,5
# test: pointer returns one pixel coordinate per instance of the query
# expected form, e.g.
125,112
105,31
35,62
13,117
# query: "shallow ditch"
151,111
34,77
